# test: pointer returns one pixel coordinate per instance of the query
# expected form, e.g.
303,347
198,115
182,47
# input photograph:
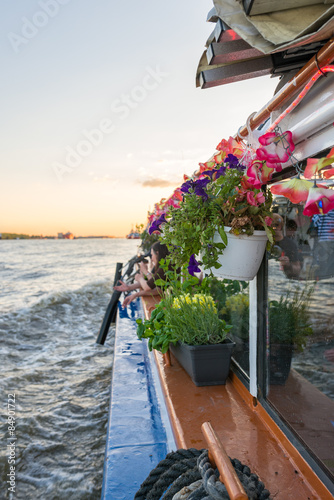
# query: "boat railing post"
110,314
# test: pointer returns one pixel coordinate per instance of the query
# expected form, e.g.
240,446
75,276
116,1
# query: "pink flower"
208,165
315,164
260,198
319,196
268,221
253,175
230,146
329,173
267,171
251,199
296,190
260,172
276,149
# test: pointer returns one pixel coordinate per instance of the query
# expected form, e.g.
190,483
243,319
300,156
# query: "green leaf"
223,235
159,282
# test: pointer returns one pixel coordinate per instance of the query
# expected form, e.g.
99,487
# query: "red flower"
319,197
296,190
276,149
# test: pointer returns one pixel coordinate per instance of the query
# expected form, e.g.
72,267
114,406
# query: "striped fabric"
325,225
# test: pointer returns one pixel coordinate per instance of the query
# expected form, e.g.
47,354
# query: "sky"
100,114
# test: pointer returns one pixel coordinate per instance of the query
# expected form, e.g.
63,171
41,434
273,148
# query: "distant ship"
133,235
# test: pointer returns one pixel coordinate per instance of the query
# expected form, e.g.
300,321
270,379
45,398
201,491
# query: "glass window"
232,299
301,327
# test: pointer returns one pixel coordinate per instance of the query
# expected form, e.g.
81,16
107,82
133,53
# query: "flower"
276,149
227,190
186,186
320,200
296,189
313,165
222,196
155,226
199,187
193,266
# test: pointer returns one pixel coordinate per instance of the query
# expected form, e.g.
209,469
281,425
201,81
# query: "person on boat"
324,244
145,279
290,259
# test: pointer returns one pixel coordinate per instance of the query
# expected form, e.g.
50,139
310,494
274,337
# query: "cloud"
158,182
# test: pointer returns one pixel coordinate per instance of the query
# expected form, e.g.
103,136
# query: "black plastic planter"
280,363
206,364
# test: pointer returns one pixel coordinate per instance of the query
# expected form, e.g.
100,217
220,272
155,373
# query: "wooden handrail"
219,458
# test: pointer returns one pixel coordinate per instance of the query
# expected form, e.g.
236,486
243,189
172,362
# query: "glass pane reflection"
301,327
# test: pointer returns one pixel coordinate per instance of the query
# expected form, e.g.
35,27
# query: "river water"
53,297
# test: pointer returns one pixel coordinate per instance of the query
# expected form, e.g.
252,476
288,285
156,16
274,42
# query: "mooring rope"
188,474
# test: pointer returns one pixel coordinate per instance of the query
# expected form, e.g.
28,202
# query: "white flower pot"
242,257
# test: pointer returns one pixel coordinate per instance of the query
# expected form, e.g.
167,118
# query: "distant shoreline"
17,236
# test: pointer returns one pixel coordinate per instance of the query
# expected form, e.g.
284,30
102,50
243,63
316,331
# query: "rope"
179,474
154,477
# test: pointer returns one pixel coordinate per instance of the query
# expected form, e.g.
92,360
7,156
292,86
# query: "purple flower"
199,188
193,266
186,186
221,171
155,226
232,160
209,173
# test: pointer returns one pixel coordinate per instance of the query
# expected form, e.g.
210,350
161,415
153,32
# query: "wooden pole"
219,458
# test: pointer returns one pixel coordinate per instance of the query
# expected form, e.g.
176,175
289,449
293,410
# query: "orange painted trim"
175,422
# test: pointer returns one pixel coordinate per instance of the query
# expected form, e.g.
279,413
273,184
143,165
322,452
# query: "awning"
273,41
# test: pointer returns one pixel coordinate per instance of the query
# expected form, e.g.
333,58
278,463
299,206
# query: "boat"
282,429
133,235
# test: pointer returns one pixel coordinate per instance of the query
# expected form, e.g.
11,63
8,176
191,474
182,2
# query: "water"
53,297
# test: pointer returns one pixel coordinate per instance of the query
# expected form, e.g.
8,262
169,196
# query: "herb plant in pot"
289,328
202,348
188,323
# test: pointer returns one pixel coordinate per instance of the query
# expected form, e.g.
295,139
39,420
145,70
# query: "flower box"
206,364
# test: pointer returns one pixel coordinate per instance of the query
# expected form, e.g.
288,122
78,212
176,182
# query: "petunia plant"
222,198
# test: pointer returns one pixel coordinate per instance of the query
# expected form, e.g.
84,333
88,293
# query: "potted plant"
289,327
222,208
186,320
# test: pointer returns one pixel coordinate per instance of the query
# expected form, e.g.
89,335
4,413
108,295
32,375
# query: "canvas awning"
244,45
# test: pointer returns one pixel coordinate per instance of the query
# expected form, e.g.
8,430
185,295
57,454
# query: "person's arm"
124,287
143,282
291,269
141,293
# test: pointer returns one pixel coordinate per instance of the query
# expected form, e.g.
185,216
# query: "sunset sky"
100,116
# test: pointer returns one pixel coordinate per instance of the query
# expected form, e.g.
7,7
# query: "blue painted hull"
139,435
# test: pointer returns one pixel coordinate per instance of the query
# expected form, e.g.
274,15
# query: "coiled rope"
188,474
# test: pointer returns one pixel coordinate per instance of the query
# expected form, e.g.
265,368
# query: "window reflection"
301,328
231,297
